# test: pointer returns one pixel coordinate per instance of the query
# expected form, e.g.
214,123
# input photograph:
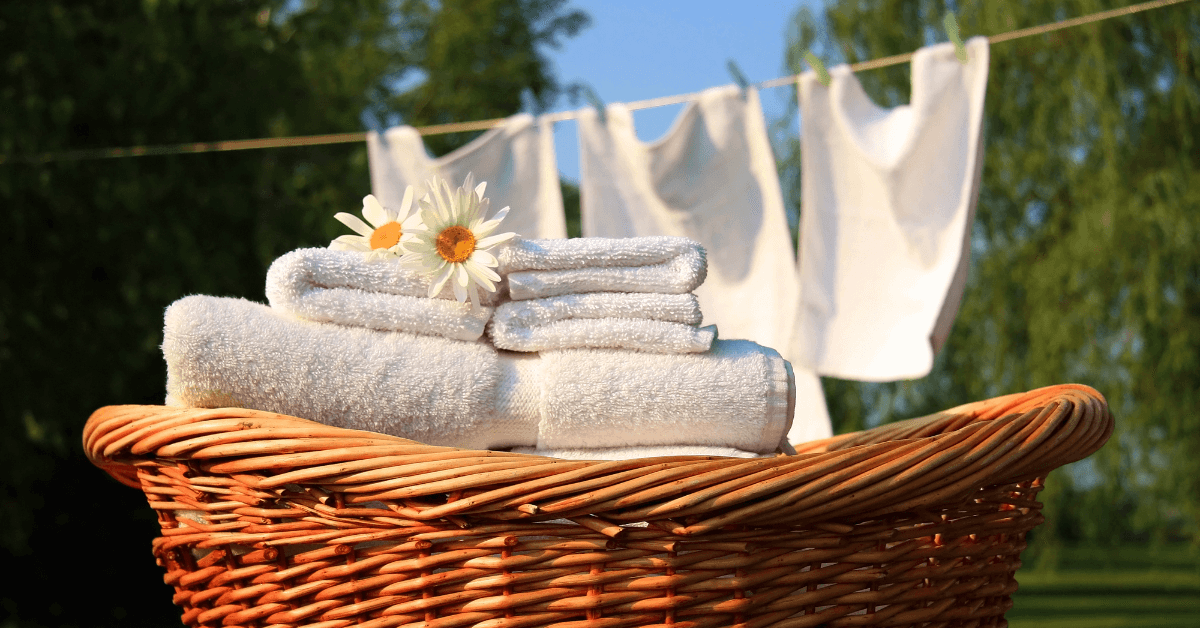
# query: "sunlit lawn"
1111,588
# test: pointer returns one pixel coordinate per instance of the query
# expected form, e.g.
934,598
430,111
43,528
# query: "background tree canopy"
93,251
1085,264
1084,258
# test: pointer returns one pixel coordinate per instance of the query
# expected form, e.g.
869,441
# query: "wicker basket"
270,520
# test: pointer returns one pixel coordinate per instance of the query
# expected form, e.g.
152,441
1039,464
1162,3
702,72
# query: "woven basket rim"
904,466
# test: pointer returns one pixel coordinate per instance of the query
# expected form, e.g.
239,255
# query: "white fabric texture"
231,352
516,159
711,178
630,453
344,287
536,268
888,199
738,395
660,323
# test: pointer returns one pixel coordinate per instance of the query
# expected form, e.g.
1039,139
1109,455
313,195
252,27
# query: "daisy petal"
405,205
481,212
349,243
462,278
487,227
374,212
441,277
494,240
484,258
479,270
352,221
480,188
478,276
412,223
358,242
460,292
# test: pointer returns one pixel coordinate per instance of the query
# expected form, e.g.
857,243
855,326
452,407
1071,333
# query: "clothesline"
482,125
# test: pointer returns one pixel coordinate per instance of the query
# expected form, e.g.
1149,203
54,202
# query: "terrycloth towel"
629,453
711,178
739,395
516,159
548,268
344,287
660,323
889,199
230,352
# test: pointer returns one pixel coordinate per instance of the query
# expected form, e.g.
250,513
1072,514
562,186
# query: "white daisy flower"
387,231
453,246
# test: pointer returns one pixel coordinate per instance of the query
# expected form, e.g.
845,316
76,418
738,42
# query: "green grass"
1110,588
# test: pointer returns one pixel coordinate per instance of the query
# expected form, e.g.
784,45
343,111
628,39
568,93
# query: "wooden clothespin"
818,67
738,77
952,32
590,95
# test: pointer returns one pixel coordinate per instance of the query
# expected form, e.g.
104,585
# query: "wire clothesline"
482,125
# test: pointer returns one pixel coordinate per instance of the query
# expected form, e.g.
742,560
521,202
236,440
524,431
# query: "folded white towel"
344,287
547,268
739,395
629,453
661,323
231,352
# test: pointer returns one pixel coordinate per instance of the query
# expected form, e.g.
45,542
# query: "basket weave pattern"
269,520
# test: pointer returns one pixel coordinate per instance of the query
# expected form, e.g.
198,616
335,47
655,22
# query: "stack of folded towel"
631,293
344,287
612,363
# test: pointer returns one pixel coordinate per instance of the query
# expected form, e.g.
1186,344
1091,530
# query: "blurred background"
1085,257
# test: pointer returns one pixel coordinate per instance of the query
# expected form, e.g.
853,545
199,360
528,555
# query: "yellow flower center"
386,237
455,244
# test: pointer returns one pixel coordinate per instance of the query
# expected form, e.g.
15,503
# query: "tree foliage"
481,59
1084,264
93,251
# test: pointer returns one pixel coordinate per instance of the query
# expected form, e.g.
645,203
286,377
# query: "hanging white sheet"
711,178
888,198
516,159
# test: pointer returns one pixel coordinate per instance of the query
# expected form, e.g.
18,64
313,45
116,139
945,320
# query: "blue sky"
644,49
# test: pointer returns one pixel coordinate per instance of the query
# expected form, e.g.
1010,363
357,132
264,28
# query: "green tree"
94,250
481,59
1084,260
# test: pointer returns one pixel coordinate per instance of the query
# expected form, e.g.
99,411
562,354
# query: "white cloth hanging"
516,159
711,178
888,198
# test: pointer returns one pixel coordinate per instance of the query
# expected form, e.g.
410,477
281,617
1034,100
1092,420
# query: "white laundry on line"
711,178
888,201
516,159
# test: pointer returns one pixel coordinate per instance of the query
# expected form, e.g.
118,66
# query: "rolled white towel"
343,287
660,323
231,352
547,268
738,395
